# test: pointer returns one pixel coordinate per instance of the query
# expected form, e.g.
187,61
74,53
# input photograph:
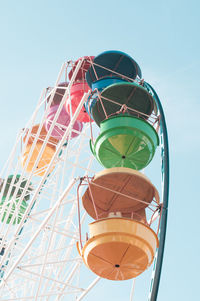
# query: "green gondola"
11,201
12,190
125,141
11,207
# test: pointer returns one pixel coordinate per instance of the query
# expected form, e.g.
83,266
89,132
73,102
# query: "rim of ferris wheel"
119,248
10,210
10,188
85,65
119,189
138,101
155,281
125,141
59,93
77,91
113,63
63,121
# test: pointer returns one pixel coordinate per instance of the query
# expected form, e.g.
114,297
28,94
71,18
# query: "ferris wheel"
77,207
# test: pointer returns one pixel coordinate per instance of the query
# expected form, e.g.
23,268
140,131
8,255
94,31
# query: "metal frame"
30,255
155,281
47,220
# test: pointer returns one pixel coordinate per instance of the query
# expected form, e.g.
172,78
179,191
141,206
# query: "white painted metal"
132,290
40,261
49,258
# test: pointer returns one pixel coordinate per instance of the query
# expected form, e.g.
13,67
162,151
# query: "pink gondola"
83,68
62,122
79,87
77,91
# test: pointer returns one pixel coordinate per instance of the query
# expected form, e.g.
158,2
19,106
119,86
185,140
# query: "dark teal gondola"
138,100
113,64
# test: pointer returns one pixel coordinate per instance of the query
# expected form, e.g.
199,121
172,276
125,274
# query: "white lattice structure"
40,260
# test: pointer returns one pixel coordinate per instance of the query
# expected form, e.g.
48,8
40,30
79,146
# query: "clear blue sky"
163,37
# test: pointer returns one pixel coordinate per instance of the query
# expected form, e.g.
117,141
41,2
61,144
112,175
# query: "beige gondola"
119,248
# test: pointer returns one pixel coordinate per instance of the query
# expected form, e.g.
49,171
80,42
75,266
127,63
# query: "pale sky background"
163,37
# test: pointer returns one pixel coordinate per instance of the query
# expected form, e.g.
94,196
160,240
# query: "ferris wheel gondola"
60,174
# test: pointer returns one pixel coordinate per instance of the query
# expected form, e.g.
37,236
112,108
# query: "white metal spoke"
40,259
